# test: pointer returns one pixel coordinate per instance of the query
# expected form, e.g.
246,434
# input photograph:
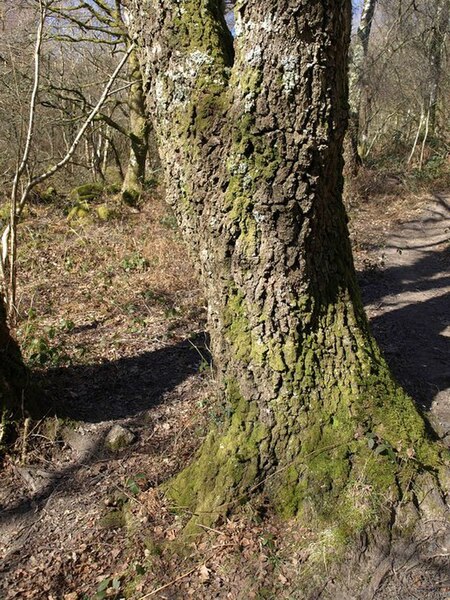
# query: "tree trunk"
250,140
356,86
13,381
139,129
439,33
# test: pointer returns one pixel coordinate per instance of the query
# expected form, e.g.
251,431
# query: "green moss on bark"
346,444
227,464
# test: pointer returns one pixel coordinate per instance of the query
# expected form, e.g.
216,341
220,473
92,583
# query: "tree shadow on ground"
95,393
410,306
119,389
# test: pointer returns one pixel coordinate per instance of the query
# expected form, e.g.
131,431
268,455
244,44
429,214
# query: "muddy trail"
64,531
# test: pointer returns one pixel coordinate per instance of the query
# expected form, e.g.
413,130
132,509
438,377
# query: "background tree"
404,115
25,177
437,45
75,65
103,22
357,83
250,138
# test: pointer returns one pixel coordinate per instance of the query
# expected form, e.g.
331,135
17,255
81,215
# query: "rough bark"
250,140
138,134
357,74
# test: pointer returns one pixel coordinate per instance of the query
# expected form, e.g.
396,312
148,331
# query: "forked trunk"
250,140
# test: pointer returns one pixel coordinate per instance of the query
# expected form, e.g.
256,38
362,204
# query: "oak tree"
250,133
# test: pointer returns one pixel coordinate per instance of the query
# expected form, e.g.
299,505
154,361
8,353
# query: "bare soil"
405,281
113,325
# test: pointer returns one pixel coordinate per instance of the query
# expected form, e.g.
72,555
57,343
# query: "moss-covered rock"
88,192
131,197
114,519
119,438
105,212
48,196
80,210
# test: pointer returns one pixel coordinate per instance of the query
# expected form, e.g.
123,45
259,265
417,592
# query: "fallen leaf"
204,573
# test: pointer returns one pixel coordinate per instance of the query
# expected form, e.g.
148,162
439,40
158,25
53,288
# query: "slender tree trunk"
251,146
138,134
116,155
97,162
436,56
356,86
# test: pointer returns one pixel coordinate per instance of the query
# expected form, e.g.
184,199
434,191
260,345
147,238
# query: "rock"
82,442
118,438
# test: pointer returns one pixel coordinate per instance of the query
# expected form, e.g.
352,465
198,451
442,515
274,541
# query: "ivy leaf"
391,453
133,486
381,448
104,585
116,584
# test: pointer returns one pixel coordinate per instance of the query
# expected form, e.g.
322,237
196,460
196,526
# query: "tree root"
393,561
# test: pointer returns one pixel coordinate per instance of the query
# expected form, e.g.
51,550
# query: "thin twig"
210,529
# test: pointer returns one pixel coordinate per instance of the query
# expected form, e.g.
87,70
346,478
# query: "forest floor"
113,324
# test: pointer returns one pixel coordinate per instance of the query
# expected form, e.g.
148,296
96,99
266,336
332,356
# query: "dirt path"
408,303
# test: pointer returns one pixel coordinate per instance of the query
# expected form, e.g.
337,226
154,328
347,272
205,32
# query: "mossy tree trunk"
250,140
138,133
14,400
357,76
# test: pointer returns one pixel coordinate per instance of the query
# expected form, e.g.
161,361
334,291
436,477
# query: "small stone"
82,442
118,438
